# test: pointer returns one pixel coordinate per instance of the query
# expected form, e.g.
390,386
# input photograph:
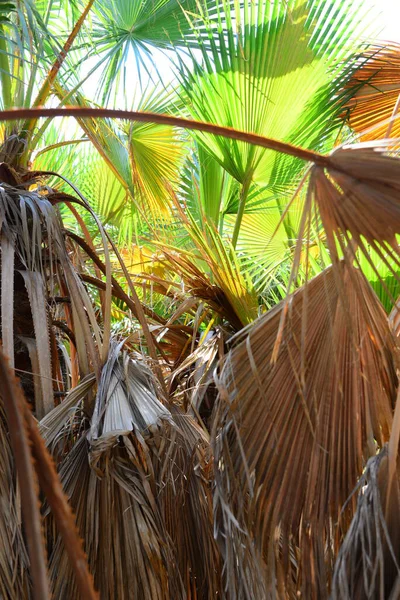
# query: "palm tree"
193,298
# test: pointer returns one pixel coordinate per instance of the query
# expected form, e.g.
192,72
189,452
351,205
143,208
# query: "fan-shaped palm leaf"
127,32
262,245
145,158
270,72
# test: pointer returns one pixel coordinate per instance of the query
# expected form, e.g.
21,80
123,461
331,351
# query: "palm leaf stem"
148,117
88,239
118,292
139,310
61,145
5,77
142,319
242,203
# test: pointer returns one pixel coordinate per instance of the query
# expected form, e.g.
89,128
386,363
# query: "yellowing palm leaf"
155,155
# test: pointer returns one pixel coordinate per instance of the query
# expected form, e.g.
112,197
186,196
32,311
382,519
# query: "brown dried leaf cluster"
375,90
292,434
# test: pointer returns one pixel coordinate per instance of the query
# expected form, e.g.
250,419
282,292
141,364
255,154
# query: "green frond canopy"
272,69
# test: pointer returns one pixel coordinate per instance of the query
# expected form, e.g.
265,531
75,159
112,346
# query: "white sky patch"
388,19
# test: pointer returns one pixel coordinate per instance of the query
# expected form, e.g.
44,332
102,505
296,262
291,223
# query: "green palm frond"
127,33
211,271
6,8
78,161
35,49
155,154
264,71
209,192
262,244
144,158
21,56
384,277
206,190
272,69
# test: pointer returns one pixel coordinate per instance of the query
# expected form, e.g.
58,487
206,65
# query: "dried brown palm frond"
32,465
394,318
173,341
185,477
193,378
128,471
358,195
375,88
368,564
227,298
14,562
35,269
107,474
292,435
354,198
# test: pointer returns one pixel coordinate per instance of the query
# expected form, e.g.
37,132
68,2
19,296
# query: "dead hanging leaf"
63,516
7,300
126,473
14,561
35,265
291,437
14,410
36,292
185,477
29,452
358,195
366,203
394,318
228,297
108,471
368,564
193,378
354,198
375,89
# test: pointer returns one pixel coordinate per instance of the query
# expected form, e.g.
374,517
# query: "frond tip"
358,194
375,90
